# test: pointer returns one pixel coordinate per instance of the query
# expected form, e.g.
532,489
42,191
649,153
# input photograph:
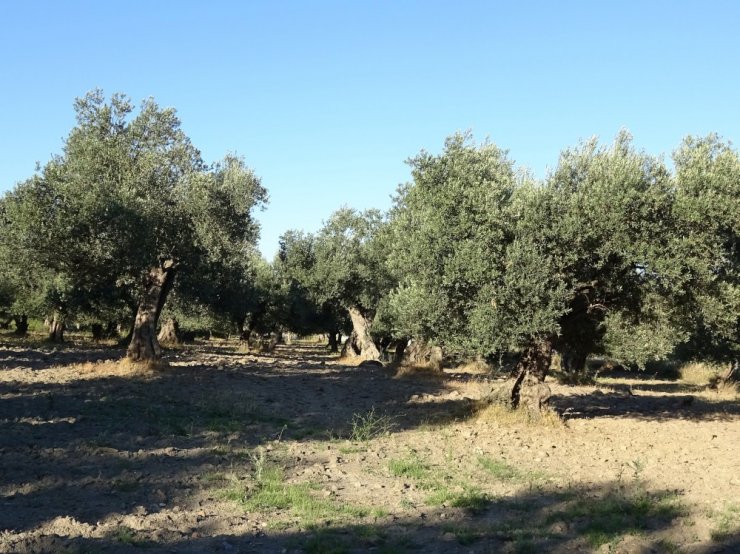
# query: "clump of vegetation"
699,373
504,415
370,425
726,522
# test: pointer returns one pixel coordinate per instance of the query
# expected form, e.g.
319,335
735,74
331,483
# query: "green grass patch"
411,467
470,498
727,522
269,491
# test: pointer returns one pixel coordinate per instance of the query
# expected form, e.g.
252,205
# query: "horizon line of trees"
613,253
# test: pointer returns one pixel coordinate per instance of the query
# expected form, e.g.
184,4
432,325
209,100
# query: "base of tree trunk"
361,325
170,332
729,378
56,330
21,325
400,350
333,342
527,388
420,353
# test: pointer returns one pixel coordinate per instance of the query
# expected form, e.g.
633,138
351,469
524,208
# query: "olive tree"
127,205
492,261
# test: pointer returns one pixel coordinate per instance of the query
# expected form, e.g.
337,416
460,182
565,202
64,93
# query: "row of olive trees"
613,253
102,230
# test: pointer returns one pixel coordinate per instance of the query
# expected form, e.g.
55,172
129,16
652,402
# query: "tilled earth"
99,456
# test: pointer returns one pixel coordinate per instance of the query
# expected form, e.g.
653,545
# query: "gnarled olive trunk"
361,326
157,285
350,348
527,387
56,328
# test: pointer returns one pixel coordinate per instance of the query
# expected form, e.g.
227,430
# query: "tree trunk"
573,361
361,326
401,345
56,328
157,284
97,331
240,321
21,325
350,349
170,332
729,377
333,344
527,388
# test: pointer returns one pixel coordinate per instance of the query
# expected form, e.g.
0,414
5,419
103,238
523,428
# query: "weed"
370,425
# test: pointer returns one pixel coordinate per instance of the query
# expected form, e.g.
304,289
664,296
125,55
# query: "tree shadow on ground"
94,445
612,516
45,356
639,404
98,446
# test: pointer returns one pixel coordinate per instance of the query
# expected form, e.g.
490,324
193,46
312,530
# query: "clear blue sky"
326,100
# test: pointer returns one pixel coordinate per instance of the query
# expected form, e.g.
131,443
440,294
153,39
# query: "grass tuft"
370,425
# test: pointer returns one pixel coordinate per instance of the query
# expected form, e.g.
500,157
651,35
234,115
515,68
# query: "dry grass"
474,367
699,373
147,366
418,371
497,413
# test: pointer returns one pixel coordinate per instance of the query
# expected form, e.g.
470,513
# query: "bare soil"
101,456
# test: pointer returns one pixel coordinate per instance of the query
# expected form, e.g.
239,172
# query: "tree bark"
56,328
361,326
157,285
350,348
170,332
333,344
21,325
527,387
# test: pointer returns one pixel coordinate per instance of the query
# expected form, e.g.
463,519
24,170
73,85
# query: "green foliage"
707,242
490,261
128,191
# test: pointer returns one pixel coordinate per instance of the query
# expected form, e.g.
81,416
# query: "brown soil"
96,455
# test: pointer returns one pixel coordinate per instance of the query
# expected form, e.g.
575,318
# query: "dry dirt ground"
224,451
